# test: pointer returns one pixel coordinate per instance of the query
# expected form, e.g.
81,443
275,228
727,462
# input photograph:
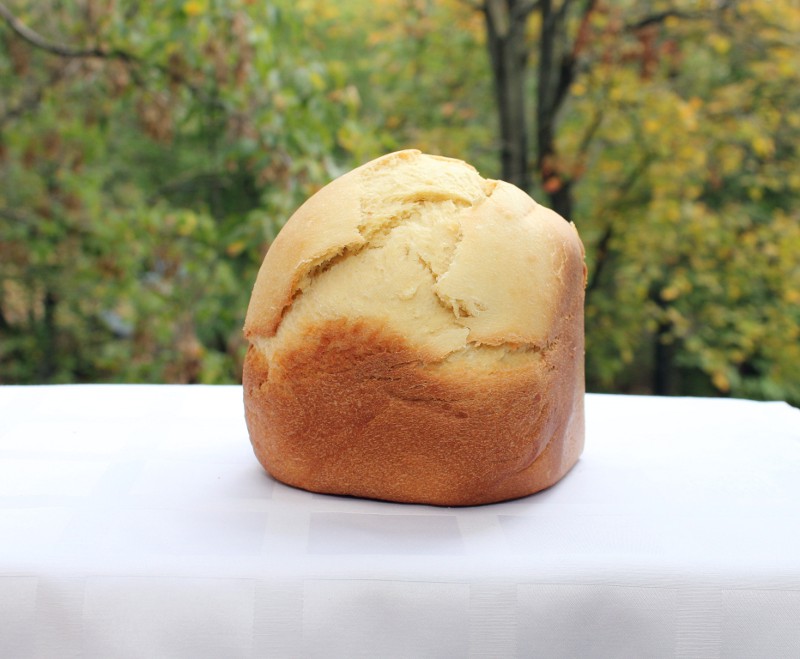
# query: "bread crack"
427,209
375,233
502,354
457,308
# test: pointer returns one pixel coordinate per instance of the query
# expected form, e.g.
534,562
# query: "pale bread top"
425,247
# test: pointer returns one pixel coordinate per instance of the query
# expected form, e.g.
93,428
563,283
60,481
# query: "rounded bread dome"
416,334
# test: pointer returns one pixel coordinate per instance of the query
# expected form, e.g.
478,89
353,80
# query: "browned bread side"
433,382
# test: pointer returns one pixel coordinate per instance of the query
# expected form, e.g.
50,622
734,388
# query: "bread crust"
353,410
416,336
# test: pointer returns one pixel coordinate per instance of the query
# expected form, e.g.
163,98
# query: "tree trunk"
48,334
506,22
663,349
561,199
505,29
555,74
663,355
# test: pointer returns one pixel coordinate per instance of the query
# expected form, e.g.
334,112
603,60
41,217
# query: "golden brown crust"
417,335
353,410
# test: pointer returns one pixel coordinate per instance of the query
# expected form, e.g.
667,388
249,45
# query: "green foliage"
139,190
693,175
140,187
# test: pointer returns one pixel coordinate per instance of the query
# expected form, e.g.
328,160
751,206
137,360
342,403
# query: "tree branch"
600,258
62,50
524,9
588,136
497,17
603,251
38,41
569,58
34,96
660,17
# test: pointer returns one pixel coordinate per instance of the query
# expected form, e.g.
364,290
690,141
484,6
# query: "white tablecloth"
136,522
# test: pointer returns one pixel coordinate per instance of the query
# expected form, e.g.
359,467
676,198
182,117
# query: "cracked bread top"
461,266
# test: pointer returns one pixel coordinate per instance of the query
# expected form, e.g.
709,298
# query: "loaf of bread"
416,335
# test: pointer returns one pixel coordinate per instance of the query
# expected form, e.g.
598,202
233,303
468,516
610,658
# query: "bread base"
353,410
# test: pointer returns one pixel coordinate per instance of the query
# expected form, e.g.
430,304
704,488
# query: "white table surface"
136,522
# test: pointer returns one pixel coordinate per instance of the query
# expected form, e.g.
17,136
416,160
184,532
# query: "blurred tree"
623,102
412,65
148,152
506,28
676,153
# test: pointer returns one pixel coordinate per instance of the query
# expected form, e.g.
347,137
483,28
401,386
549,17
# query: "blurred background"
149,152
